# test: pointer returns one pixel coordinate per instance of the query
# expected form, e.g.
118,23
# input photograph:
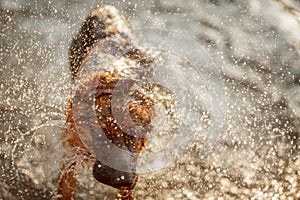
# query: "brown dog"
103,37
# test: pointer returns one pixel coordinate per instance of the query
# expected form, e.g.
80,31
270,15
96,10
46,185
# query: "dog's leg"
67,183
125,195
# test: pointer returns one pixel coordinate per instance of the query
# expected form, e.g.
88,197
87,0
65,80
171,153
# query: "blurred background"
256,45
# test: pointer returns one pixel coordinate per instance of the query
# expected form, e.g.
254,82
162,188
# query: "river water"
253,45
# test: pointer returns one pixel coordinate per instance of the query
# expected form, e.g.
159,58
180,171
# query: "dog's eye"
96,23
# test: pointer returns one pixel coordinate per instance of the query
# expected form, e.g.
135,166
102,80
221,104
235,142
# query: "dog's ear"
105,21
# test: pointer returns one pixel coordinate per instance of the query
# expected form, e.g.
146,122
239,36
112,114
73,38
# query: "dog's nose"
114,178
